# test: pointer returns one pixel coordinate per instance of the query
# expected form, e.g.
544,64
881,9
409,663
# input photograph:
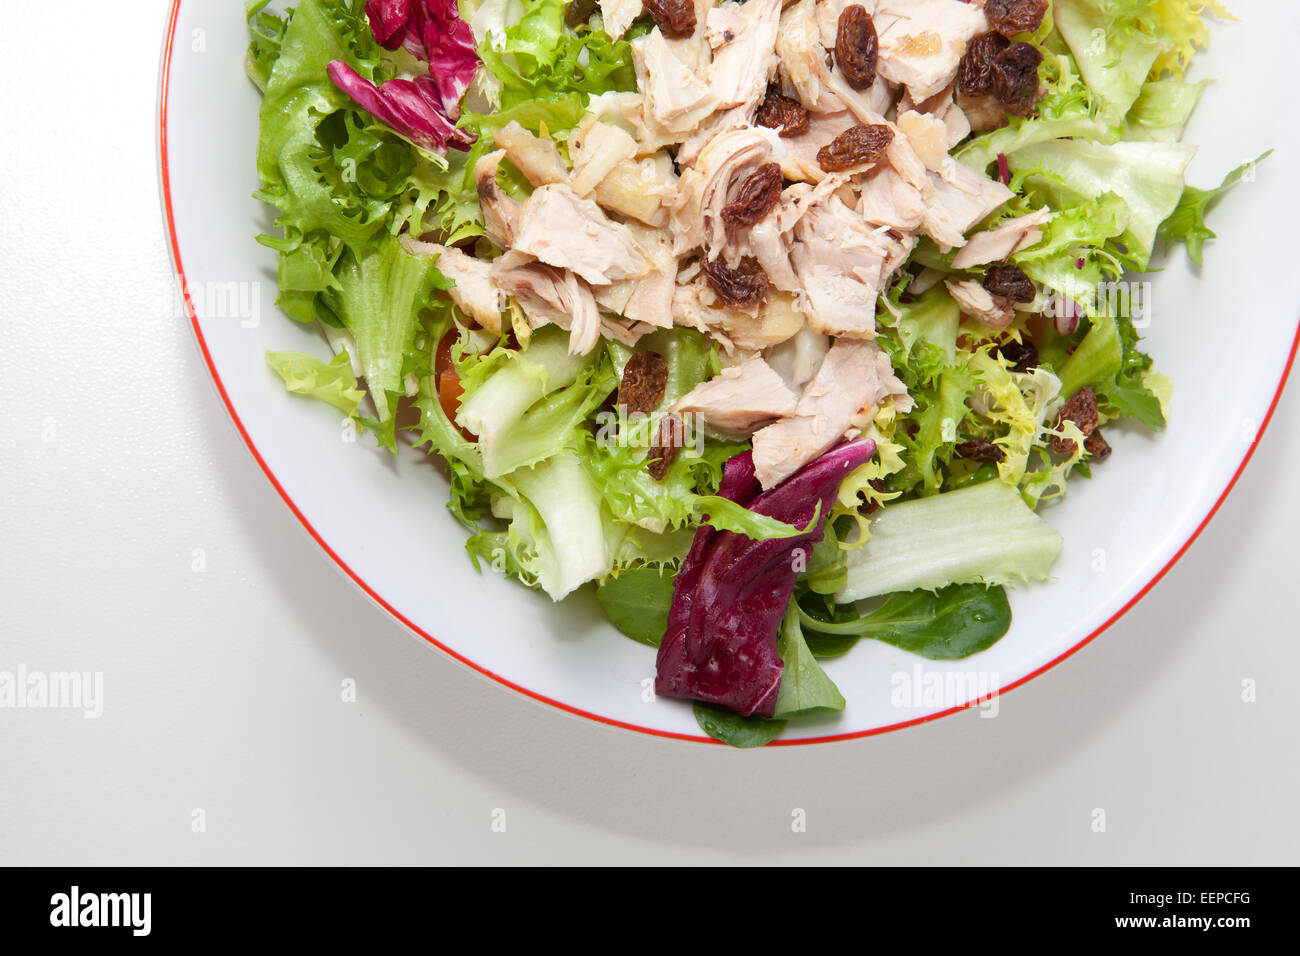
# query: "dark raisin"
781,112
756,197
872,506
1009,282
1010,17
1096,446
667,446
744,285
1022,356
975,75
645,377
981,450
1015,78
857,46
1082,410
579,12
676,18
856,146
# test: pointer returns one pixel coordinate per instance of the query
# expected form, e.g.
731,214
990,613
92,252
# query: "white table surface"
222,687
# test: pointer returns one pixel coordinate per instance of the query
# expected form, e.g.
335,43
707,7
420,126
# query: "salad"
776,323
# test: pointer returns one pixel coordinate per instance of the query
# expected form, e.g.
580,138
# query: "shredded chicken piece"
500,212
474,291
980,304
676,99
617,15
853,377
745,58
943,107
962,197
802,54
841,263
648,299
922,42
887,200
569,232
1002,243
550,295
534,156
739,399
594,151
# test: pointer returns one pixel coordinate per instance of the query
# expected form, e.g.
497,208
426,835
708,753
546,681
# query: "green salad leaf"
949,624
636,602
804,685
744,733
332,383
1187,222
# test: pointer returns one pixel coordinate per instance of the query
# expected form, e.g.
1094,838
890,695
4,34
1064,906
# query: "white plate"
1227,337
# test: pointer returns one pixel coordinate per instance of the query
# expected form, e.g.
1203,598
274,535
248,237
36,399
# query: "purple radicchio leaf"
411,108
424,110
432,31
732,592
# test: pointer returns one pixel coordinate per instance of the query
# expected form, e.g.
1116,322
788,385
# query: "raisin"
645,377
1096,446
1010,17
872,506
975,75
856,146
1010,282
1015,78
1023,356
676,18
744,285
857,46
1082,410
757,196
579,12
781,112
981,450
667,446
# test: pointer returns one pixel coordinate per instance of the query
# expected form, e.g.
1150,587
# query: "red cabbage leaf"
424,110
732,592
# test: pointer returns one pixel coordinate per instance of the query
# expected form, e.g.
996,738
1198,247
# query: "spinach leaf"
804,685
636,602
823,610
944,625
723,723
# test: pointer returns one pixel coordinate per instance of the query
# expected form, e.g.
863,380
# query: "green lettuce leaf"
332,382
1162,110
804,685
381,290
1187,223
985,534
1148,176
537,58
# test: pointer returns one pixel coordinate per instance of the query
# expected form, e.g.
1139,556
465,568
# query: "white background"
222,688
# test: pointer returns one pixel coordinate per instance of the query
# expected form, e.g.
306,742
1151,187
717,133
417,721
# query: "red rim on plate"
165,178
